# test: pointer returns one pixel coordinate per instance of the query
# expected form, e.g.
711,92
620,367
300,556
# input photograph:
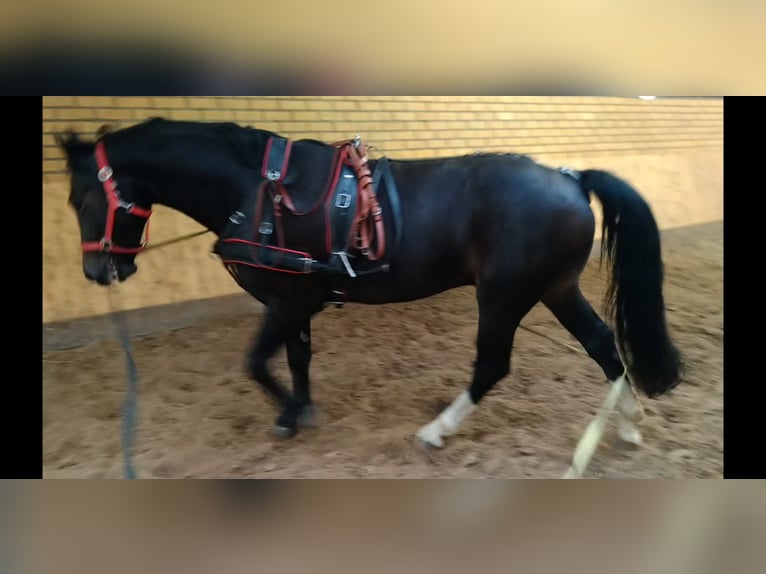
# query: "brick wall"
426,126
670,149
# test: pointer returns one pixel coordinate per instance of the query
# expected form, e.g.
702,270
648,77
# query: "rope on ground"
129,405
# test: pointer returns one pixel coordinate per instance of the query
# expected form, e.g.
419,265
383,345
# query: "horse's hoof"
309,417
430,437
284,432
630,435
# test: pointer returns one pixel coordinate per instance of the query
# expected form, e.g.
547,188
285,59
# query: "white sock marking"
630,412
588,443
629,405
448,422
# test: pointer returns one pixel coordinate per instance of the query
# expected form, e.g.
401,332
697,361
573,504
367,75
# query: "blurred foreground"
200,417
594,46
89,527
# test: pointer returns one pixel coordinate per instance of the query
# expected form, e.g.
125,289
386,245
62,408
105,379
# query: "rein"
177,240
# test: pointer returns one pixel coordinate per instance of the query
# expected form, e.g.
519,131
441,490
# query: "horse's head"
111,219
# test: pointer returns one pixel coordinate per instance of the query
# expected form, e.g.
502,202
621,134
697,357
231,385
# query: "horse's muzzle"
104,268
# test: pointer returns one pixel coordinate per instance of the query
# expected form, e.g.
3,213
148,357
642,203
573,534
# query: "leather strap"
369,221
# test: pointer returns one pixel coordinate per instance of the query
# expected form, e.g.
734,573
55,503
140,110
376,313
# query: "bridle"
114,202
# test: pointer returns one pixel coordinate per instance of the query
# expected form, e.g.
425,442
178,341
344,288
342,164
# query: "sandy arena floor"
199,416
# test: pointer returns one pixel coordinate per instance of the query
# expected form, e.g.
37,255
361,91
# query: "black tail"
631,245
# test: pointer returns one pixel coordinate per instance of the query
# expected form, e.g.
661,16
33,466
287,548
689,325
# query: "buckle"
273,175
343,201
307,263
346,263
237,217
105,174
338,298
266,228
106,244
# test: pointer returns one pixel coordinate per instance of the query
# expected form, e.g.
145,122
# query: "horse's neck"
207,184
209,204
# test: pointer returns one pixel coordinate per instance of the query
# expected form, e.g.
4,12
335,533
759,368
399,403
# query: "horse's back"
489,187
466,216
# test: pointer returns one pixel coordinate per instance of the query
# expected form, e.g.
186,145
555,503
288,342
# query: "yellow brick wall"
671,149
403,126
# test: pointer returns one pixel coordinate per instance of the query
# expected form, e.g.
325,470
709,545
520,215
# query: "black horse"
519,231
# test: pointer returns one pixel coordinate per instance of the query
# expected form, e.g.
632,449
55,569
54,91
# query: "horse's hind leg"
500,313
578,317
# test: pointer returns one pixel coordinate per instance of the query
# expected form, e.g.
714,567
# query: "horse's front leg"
282,321
299,359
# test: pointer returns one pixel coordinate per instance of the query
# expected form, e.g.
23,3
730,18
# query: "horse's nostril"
99,276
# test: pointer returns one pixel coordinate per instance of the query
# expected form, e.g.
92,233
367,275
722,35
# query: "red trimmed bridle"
114,202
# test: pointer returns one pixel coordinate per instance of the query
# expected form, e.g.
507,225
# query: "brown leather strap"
368,223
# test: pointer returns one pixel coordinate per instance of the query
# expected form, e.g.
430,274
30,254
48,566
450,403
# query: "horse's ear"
67,141
73,147
103,130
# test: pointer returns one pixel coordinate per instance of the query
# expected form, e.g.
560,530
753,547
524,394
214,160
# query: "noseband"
114,202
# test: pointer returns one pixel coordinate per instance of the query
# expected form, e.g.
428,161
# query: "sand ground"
199,416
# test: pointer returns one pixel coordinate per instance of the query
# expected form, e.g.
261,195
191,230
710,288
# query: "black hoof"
284,432
286,425
308,417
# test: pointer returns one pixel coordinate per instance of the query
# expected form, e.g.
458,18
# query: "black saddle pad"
309,173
